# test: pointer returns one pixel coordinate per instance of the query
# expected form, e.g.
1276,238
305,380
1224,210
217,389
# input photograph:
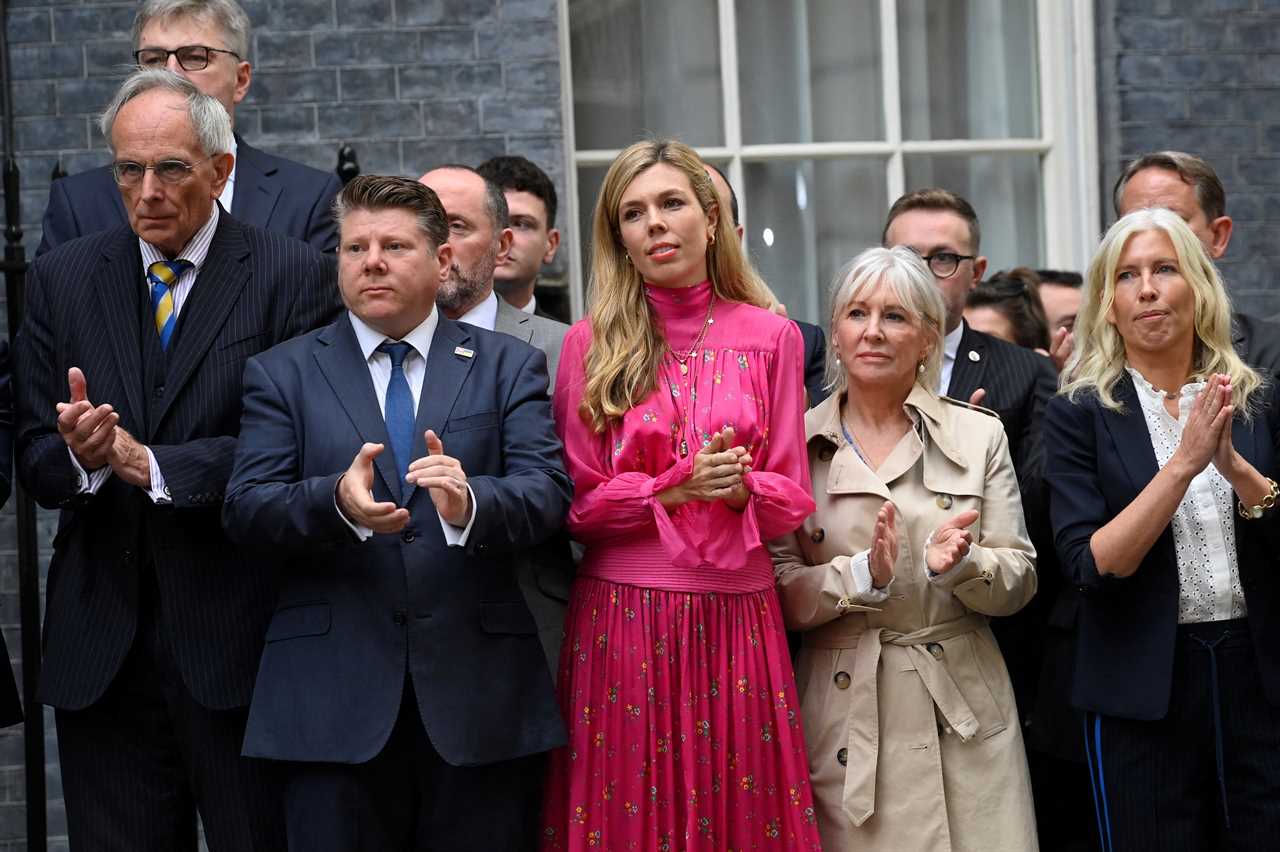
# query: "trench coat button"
818,535
826,454
842,680
944,501
842,757
935,649
399,616
407,536
843,604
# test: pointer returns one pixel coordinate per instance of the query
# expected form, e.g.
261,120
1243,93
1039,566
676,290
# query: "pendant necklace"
685,412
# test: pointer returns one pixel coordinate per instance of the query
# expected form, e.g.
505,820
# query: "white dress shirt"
415,372
229,191
531,305
1204,533
950,348
483,315
195,251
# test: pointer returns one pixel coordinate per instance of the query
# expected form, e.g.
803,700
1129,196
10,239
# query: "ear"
979,271
553,243
444,256
244,76
713,215
1221,230
504,245
222,165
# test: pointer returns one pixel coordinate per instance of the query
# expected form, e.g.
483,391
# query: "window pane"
642,68
590,179
820,78
805,219
968,69
1004,190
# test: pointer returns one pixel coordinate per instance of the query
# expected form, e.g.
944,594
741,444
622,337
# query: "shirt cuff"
158,492
457,536
860,573
362,533
89,482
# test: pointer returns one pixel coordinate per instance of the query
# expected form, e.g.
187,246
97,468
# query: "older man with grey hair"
206,41
128,373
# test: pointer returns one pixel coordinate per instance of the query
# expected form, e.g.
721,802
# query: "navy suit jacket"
815,361
87,307
271,193
354,616
1098,462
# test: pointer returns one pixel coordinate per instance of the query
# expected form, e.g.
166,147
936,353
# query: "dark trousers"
408,798
139,763
1206,778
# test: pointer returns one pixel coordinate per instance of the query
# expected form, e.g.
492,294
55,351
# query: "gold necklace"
685,417
707,322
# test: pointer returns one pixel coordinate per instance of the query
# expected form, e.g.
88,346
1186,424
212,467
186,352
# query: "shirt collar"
195,251
951,343
483,315
531,305
420,338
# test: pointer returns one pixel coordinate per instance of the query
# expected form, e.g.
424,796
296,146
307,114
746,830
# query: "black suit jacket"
1098,462
85,308
815,361
271,192
1257,342
354,616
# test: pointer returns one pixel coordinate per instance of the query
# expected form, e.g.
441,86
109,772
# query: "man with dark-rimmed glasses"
128,372
206,41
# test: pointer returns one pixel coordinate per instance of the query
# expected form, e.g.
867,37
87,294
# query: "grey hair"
225,14
209,118
902,270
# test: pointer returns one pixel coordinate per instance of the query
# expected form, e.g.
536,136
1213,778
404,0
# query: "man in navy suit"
206,41
128,376
394,465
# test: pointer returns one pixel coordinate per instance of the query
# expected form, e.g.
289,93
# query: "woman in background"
679,400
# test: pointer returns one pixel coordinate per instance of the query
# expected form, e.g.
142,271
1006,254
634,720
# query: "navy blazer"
354,616
815,361
1098,460
271,193
87,307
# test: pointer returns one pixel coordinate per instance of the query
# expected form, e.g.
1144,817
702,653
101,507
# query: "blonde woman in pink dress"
680,402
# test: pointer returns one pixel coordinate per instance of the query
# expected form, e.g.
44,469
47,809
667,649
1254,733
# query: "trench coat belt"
863,723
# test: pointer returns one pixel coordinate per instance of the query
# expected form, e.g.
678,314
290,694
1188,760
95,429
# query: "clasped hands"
93,434
441,475
1206,436
718,470
948,545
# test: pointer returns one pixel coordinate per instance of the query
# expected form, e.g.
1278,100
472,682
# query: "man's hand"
446,481
355,496
1060,347
129,459
950,542
87,430
978,396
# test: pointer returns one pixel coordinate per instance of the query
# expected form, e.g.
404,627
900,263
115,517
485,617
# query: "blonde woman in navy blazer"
1161,468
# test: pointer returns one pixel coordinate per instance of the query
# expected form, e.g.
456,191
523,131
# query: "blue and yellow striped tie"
162,275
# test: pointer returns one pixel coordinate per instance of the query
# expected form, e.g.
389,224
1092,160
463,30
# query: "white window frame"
1067,143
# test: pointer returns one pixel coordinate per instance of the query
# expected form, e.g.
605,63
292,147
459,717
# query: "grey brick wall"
1201,76
407,83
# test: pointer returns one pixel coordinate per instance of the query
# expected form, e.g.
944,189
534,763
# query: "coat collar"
257,192
968,371
513,321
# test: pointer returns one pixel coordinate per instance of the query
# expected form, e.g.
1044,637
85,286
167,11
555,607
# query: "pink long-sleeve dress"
675,679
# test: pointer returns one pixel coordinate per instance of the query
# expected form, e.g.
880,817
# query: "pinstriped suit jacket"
256,289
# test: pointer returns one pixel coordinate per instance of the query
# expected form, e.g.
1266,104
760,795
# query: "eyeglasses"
945,263
192,57
128,173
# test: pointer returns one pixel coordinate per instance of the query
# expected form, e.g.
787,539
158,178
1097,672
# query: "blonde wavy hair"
1097,362
626,341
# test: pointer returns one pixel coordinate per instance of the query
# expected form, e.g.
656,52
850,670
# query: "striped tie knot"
162,275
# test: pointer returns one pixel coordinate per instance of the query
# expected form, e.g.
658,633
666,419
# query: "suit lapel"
1130,434
344,367
446,371
256,191
969,371
513,321
215,292
117,284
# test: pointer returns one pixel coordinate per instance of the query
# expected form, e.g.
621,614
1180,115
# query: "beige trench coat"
908,713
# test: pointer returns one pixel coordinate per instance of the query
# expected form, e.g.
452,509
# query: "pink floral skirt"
684,727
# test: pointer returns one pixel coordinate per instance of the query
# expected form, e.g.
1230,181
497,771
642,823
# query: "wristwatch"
1252,513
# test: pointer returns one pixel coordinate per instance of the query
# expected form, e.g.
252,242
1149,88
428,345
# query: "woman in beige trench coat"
918,537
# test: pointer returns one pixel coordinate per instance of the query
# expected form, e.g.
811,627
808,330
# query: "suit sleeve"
268,504
528,502
317,302
322,232
1029,462
1077,504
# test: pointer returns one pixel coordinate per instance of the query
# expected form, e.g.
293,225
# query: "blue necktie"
162,276
399,407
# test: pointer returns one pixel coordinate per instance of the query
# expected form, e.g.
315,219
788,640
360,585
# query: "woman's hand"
884,547
717,475
1202,434
950,542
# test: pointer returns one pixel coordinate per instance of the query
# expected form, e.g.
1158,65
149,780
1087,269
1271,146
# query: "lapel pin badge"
464,352
974,356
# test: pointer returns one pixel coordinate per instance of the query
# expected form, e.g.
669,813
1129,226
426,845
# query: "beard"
466,288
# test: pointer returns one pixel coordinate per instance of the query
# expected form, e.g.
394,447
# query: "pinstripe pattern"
255,290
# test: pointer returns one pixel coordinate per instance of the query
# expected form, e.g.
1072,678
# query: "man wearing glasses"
206,41
128,372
